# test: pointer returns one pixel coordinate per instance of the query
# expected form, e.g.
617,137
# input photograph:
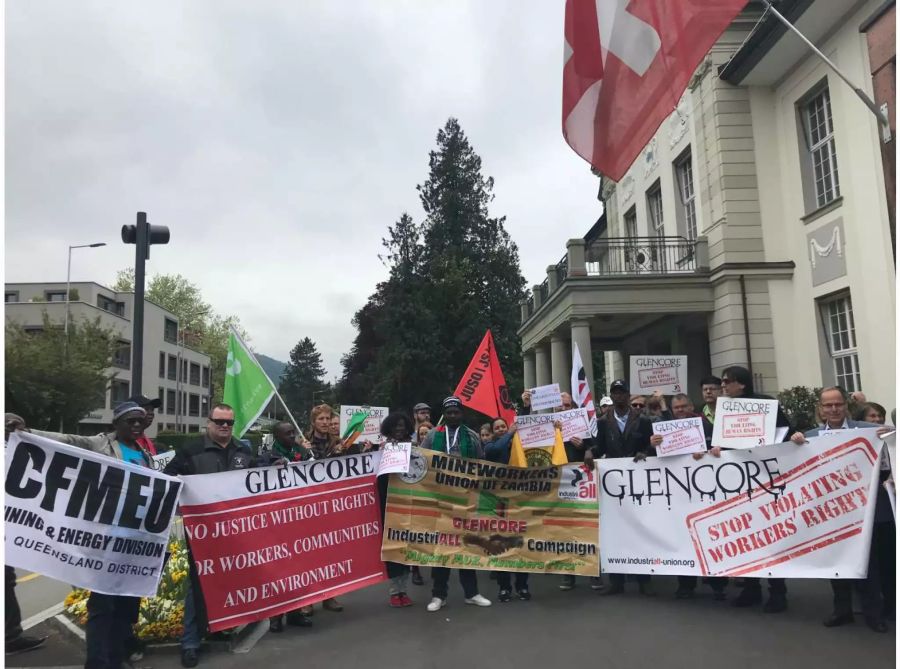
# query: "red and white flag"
581,389
627,62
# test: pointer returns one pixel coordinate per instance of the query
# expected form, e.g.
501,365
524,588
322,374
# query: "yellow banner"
472,514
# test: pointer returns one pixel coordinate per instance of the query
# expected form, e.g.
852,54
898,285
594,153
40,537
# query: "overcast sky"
277,140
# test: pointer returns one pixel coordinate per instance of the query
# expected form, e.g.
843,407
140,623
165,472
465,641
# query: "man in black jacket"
622,433
217,451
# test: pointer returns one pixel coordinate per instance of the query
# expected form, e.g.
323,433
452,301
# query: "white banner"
782,511
394,458
372,427
680,436
536,430
159,461
745,423
546,397
664,373
86,519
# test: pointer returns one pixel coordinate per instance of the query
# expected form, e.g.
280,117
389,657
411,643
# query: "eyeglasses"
637,405
222,422
833,405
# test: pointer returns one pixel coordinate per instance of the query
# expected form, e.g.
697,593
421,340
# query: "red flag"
483,387
627,62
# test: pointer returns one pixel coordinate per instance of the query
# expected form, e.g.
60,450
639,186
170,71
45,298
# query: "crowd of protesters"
624,430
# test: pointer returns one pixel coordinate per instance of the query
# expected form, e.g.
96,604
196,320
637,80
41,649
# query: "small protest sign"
394,458
680,436
546,397
744,422
372,428
536,430
666,374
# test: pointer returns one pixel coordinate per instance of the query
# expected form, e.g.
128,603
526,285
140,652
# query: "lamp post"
68,290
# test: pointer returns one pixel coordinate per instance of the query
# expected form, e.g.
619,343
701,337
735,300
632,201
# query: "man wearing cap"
605,404
454,438
421,414
110,617
149,406
622,433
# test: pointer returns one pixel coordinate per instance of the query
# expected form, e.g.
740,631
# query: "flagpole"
274,389
879,114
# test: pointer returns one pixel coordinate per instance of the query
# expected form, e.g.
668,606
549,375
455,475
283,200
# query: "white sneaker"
436,604
478,600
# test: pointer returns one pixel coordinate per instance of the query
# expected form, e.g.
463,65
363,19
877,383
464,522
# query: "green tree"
47,383
205,330
452,277
303,382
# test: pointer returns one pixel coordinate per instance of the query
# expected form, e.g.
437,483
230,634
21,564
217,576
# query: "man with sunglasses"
217,451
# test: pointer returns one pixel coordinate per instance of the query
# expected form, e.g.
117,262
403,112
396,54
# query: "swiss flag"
483,387
627,62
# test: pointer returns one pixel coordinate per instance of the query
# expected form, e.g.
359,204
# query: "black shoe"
189,658
524,594
685,593
276,625
612,590
297,619
876,624
417,577
647,589
22,643
719,595
568,582
838,619
596,583
748,598
776,604
504,596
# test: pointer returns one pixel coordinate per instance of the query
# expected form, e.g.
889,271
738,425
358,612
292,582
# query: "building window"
170,332
122,356
840,336
194,405
821,160
170,402
205,376
195,374
55,295
184,370
655,210
11,296
684,173
631,223
162,398
204,405
107,304
173,368
118,393
162,365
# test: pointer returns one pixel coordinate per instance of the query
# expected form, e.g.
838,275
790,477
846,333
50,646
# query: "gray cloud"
278,141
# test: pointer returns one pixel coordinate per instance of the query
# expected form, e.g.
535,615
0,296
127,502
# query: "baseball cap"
127,407
452,401
421,406
618,384
606,401
144,401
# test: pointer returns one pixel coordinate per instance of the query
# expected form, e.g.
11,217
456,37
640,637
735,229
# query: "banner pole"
879,114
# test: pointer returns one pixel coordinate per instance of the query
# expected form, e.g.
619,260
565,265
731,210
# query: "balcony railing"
640,255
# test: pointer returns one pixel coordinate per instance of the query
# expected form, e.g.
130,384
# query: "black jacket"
781,420
635,439
205,456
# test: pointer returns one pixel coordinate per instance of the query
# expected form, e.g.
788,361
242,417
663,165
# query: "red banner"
268,541
483,387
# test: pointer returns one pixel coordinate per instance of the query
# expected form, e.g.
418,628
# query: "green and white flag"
247,387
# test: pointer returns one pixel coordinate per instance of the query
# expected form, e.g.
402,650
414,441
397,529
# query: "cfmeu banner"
86,519
451,512
269,540
781,511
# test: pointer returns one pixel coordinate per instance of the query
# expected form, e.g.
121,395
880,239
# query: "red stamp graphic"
658,376
822,502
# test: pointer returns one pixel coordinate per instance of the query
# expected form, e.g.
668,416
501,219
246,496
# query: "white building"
184,393
753,229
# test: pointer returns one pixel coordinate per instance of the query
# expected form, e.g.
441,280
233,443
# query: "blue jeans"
190,638
109,626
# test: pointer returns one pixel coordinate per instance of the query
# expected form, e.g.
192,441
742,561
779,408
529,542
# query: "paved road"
562,630
37,593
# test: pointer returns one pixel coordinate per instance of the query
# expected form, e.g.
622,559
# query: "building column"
542,365
615,368
528,363
560,363
581,337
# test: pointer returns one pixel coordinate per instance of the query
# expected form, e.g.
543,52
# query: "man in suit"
833,403
623,433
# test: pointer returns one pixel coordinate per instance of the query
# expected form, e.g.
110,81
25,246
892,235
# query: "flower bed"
160,617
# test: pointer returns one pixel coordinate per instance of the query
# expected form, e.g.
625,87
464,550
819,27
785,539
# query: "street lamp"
69,281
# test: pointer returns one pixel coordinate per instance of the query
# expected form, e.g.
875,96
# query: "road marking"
72,627
25,579
42,616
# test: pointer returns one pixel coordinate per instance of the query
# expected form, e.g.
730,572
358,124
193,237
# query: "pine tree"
452,277
303,383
